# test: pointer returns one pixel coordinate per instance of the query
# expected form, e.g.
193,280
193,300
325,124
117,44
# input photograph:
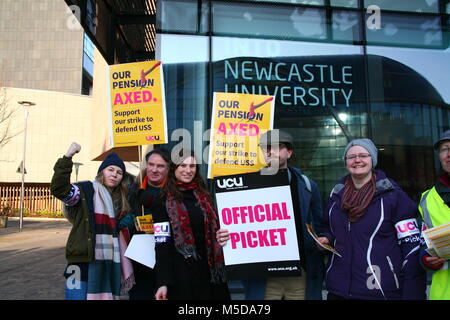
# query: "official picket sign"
258,213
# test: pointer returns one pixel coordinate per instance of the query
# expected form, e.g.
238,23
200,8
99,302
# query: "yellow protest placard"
144,223
138,109
237,122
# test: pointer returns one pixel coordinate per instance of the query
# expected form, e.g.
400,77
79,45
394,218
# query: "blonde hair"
119,193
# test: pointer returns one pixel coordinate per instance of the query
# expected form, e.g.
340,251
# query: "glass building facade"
339,69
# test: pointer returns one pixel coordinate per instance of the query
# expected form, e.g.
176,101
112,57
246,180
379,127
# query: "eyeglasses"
361,156
444,150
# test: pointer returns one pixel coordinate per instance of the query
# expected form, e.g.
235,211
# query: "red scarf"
145,183
183,236
355,202
445,179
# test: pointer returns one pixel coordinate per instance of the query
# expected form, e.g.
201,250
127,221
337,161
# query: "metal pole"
77,167
22,190
25,104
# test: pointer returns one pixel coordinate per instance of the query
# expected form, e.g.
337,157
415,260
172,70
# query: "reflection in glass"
346,26
288,23
305,2
399,96
186,90
431,6
182,16
344,3
417,31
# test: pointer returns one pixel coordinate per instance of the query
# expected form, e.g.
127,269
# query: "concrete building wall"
53,123
41,46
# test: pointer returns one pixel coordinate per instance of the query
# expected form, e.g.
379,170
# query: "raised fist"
74,148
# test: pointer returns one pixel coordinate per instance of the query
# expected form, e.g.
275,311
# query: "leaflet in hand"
315,237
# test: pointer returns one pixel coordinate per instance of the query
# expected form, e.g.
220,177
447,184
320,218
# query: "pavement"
32,259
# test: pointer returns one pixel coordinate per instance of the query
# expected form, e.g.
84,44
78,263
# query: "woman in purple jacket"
372,224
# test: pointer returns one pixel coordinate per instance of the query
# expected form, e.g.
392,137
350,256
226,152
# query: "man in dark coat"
278,149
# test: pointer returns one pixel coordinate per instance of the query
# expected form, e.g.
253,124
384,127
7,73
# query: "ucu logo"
161,228
230,182
406,228
409,226
152,138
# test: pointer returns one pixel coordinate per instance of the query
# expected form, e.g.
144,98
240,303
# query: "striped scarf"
183,236
355,202
111,274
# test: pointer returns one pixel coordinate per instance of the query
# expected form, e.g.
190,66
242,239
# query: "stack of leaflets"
438,240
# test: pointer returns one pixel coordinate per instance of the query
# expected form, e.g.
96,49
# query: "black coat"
144,288
186,279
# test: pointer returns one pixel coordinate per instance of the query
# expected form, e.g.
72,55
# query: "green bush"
46,214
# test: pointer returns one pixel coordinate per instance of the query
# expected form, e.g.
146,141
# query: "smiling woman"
364,221
189,260
186,171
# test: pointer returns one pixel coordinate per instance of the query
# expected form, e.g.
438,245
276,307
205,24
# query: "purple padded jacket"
380,252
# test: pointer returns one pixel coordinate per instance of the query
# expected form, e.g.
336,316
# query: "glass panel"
326,94
425,65
405,5
182,16
88,47
289,23
346,25
305,2
319,95
91,15
186,90
416,31
228,47
88,64
409,103
177,49
344,3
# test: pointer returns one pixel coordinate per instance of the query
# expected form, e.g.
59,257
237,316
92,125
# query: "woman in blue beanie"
100,215
372,224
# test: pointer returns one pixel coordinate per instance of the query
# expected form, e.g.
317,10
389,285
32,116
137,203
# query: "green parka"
81,241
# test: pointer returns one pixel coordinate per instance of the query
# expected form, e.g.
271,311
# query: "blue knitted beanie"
112,160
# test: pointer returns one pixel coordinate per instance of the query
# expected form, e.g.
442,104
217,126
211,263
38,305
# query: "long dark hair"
171,185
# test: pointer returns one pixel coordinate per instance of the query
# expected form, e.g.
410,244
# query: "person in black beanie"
112,159
101,221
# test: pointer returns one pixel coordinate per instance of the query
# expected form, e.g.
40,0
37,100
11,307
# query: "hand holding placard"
222,236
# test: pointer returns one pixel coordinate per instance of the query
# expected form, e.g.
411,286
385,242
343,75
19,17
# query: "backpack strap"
307,182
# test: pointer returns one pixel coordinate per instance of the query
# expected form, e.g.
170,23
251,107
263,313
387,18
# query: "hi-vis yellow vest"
434,213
